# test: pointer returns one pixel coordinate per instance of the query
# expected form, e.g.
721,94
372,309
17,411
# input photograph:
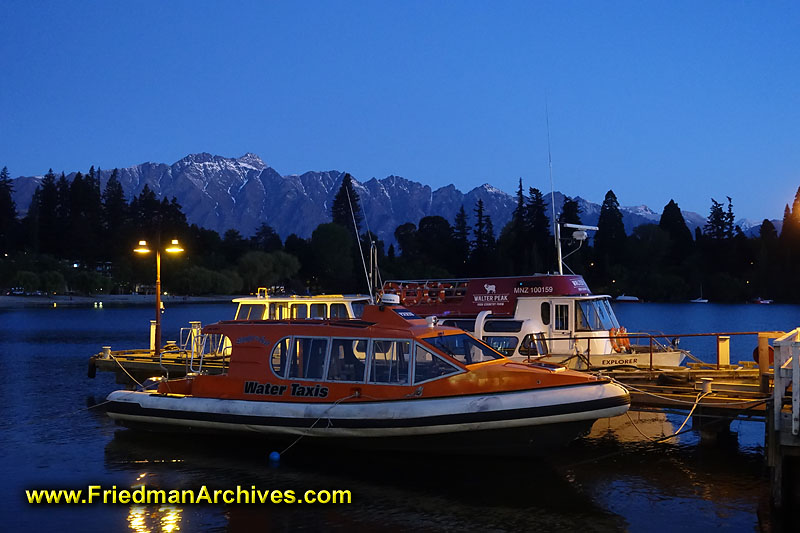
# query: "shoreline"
58,300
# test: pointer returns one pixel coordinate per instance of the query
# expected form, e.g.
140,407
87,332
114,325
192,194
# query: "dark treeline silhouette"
78,237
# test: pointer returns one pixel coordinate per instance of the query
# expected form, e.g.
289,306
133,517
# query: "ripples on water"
54,435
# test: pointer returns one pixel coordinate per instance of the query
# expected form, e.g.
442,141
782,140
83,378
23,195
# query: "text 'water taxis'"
388,380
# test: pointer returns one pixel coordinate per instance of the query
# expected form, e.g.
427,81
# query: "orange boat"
389,380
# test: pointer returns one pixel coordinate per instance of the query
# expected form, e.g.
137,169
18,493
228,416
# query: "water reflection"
389,490
164,519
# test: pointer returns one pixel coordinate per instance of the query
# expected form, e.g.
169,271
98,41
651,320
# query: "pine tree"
716,225
767,231
570,212
266,239
538,224
674,224
115,219
49,226
346,198
729,220
609,241
8,213
480,228
460,243
519,235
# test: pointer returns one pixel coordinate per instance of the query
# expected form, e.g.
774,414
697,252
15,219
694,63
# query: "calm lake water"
51,437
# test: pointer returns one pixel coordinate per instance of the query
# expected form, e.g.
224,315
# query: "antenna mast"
358,240
556,229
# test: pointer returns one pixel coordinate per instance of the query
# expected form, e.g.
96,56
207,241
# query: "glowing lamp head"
174,247
142,248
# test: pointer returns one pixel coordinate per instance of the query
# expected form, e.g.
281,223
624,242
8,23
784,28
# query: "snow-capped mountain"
221,193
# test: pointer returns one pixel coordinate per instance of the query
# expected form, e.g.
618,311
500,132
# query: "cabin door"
561,329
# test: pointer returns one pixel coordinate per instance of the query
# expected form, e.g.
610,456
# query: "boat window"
502,343
561,320
466,325
250,311
546,313
308,358
463,348
593,315
358,308
280,357
347,360
339,311
299,311
503,326
533,344
390,362
278,311
604,306
318,311
428,366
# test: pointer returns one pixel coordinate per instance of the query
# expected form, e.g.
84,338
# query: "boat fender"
92,368
274,458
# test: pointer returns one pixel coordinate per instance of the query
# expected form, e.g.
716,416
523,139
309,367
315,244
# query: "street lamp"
173,247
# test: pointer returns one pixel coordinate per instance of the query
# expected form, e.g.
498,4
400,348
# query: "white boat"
176,358
547,317
626,298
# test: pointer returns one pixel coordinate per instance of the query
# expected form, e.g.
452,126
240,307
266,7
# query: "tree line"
78,237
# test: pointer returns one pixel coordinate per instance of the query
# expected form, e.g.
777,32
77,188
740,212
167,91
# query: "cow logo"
490,289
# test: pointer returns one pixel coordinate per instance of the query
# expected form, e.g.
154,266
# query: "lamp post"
173,248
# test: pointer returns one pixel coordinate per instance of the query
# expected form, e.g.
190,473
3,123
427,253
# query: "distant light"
142,248
75,265
174,247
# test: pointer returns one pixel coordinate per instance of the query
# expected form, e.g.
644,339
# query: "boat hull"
520,422
661,359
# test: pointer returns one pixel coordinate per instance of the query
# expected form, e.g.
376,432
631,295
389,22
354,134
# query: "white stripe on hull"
399,410
335,432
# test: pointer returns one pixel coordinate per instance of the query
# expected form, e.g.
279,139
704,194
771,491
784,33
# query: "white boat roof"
262,297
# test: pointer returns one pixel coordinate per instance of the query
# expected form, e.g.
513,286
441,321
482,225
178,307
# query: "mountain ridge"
222,193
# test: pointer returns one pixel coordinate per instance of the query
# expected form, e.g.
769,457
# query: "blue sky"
655,100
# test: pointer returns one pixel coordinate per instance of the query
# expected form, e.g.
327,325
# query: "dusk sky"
655,100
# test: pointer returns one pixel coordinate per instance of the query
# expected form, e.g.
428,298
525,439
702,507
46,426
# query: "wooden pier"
716,394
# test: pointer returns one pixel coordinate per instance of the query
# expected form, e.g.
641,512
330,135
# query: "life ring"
623,340
612,336
443,288
411,297
391,288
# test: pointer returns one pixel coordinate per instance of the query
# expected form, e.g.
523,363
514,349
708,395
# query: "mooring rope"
334,404
686,402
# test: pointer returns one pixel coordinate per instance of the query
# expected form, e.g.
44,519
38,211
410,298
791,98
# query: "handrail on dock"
787,373
652,339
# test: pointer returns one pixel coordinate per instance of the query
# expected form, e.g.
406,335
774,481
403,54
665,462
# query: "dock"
713,395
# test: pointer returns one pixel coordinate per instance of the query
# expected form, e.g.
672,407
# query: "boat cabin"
266,306
520,316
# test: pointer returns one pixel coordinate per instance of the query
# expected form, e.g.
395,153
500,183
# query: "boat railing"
787,374
201,347
654,345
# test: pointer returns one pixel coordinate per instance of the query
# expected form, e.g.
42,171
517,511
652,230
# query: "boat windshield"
358,307
595,315
463,348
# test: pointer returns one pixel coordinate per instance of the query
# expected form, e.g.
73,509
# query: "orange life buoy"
410,297
443,288
623,340
612,336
